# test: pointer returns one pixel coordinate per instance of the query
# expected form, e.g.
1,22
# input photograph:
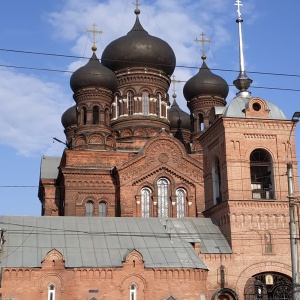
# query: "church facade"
148,201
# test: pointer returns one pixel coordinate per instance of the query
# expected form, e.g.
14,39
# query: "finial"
243,82
203,41
174,81
94,31
137,4
238,3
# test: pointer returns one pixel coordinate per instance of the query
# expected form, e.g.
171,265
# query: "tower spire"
242,82
94,31
203,41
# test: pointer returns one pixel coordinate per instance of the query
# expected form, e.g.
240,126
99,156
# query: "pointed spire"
242,82
137,25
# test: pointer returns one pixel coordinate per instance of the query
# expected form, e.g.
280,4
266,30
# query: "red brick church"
150,202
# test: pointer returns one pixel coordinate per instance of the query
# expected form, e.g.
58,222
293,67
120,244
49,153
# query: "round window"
256,106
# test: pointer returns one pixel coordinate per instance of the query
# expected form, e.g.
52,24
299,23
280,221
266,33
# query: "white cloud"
31,112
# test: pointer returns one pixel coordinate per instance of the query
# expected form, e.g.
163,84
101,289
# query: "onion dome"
179,118
93,74
69,117
139,49
205,83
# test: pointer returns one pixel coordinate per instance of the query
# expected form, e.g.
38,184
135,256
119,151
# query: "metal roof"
49,167
105,242
237,106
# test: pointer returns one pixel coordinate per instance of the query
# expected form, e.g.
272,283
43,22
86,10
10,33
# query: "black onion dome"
139,49
69,117
93,74
179,118
205,83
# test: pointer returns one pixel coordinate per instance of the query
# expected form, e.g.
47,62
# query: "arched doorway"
268,285
224,294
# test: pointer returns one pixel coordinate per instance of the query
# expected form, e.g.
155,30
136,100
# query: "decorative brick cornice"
260,136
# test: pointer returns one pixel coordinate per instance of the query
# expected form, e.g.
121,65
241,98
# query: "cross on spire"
174,81
94,31
238,3
137,4
203,41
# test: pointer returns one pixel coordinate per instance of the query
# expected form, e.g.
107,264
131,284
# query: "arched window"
157,108
106,116
83,116
118,104
146,193
133,293
201,122
216,177
145,103
95,115
130,101
102,209
163,198
51,292
89,209
180,202
261,174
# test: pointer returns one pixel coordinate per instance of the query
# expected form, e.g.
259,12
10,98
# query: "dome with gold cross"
205,83
139,49
93,74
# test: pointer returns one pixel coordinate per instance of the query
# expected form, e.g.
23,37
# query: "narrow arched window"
130,101
145,103
217,184
106,116
146,193
102,209
83,116
261,169
163,197
201,122
89,209
180,202
118,104
157,108
133,292
95,115
51,292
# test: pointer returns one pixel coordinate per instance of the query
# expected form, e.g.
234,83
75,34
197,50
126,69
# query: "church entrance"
265,286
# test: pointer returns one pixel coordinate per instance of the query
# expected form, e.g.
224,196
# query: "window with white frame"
102,209
180,203
89,209
261,168
130,101
146,194
133,292
51,292
217,184
145,103
163,197
158,100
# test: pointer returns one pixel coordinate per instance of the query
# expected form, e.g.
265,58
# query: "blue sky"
33,100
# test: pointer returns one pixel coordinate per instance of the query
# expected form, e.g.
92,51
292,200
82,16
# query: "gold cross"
137,4
174,85
94,31
203,41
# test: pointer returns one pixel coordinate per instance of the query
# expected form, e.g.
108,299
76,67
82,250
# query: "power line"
178,66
